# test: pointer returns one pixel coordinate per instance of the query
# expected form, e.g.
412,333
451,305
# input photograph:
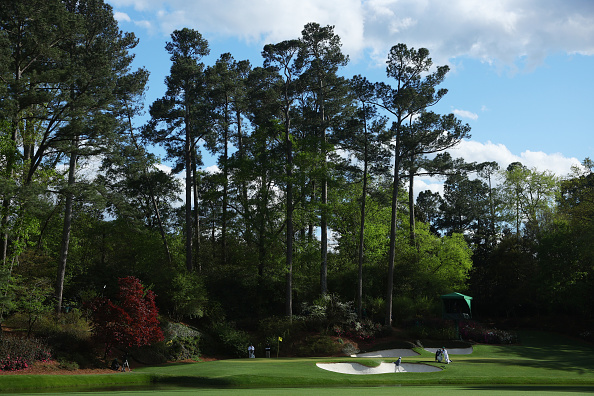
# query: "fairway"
542,362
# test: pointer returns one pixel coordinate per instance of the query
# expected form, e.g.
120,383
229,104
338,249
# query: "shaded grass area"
448,390
542,359
72,382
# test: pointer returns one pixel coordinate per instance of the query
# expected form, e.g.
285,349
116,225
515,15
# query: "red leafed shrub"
131,321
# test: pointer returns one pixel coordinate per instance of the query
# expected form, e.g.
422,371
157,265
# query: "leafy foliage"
474,331
431,328
225,338
132,321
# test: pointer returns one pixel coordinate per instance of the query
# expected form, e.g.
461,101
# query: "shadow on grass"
192,382
532,388
548,351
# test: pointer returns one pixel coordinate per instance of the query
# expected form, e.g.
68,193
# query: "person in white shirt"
446,357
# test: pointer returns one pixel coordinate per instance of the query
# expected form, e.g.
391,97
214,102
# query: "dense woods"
314,196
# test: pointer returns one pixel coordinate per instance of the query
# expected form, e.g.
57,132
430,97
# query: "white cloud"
473,151
263,21
121,17
144,24
495,32
499,32
212,169
432,184
466,114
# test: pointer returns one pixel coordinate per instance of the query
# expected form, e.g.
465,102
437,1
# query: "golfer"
446,357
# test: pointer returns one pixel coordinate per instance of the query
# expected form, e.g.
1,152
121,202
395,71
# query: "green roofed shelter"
456,306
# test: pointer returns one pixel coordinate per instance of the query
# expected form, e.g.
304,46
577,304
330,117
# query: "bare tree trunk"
188,215
225,185
411,206
392,257
6,202
65,233
196,243
324,239
324,214
362,228
289,216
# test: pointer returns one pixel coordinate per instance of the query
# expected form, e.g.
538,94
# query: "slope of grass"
540,359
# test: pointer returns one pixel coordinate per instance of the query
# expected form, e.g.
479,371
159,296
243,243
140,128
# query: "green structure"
456,306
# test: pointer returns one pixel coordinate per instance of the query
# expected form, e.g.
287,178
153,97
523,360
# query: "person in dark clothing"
438,355
115,365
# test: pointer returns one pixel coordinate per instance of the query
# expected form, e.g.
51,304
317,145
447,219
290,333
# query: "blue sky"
521,70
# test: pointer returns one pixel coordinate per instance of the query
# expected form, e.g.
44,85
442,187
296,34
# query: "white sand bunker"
388,353
383,368
453,351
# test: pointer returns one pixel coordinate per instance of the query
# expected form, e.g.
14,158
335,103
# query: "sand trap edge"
396,353
383,368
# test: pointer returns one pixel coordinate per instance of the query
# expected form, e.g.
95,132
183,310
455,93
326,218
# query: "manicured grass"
443,390
541,359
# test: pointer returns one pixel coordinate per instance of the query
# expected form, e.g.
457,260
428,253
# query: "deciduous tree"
131,321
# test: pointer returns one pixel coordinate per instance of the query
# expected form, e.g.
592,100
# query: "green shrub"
273,327
375,308
226,339
181,341
405,308
73,324
318,345
431,328
349,349
188,295
184,348
66,364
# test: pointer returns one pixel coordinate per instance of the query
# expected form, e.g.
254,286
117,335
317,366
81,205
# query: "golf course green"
540,362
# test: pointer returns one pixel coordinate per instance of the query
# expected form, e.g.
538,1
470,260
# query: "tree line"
315,189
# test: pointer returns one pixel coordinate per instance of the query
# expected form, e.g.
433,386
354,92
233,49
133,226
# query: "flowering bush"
15,363
327,311
19,353
365,330
182,341
473,331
